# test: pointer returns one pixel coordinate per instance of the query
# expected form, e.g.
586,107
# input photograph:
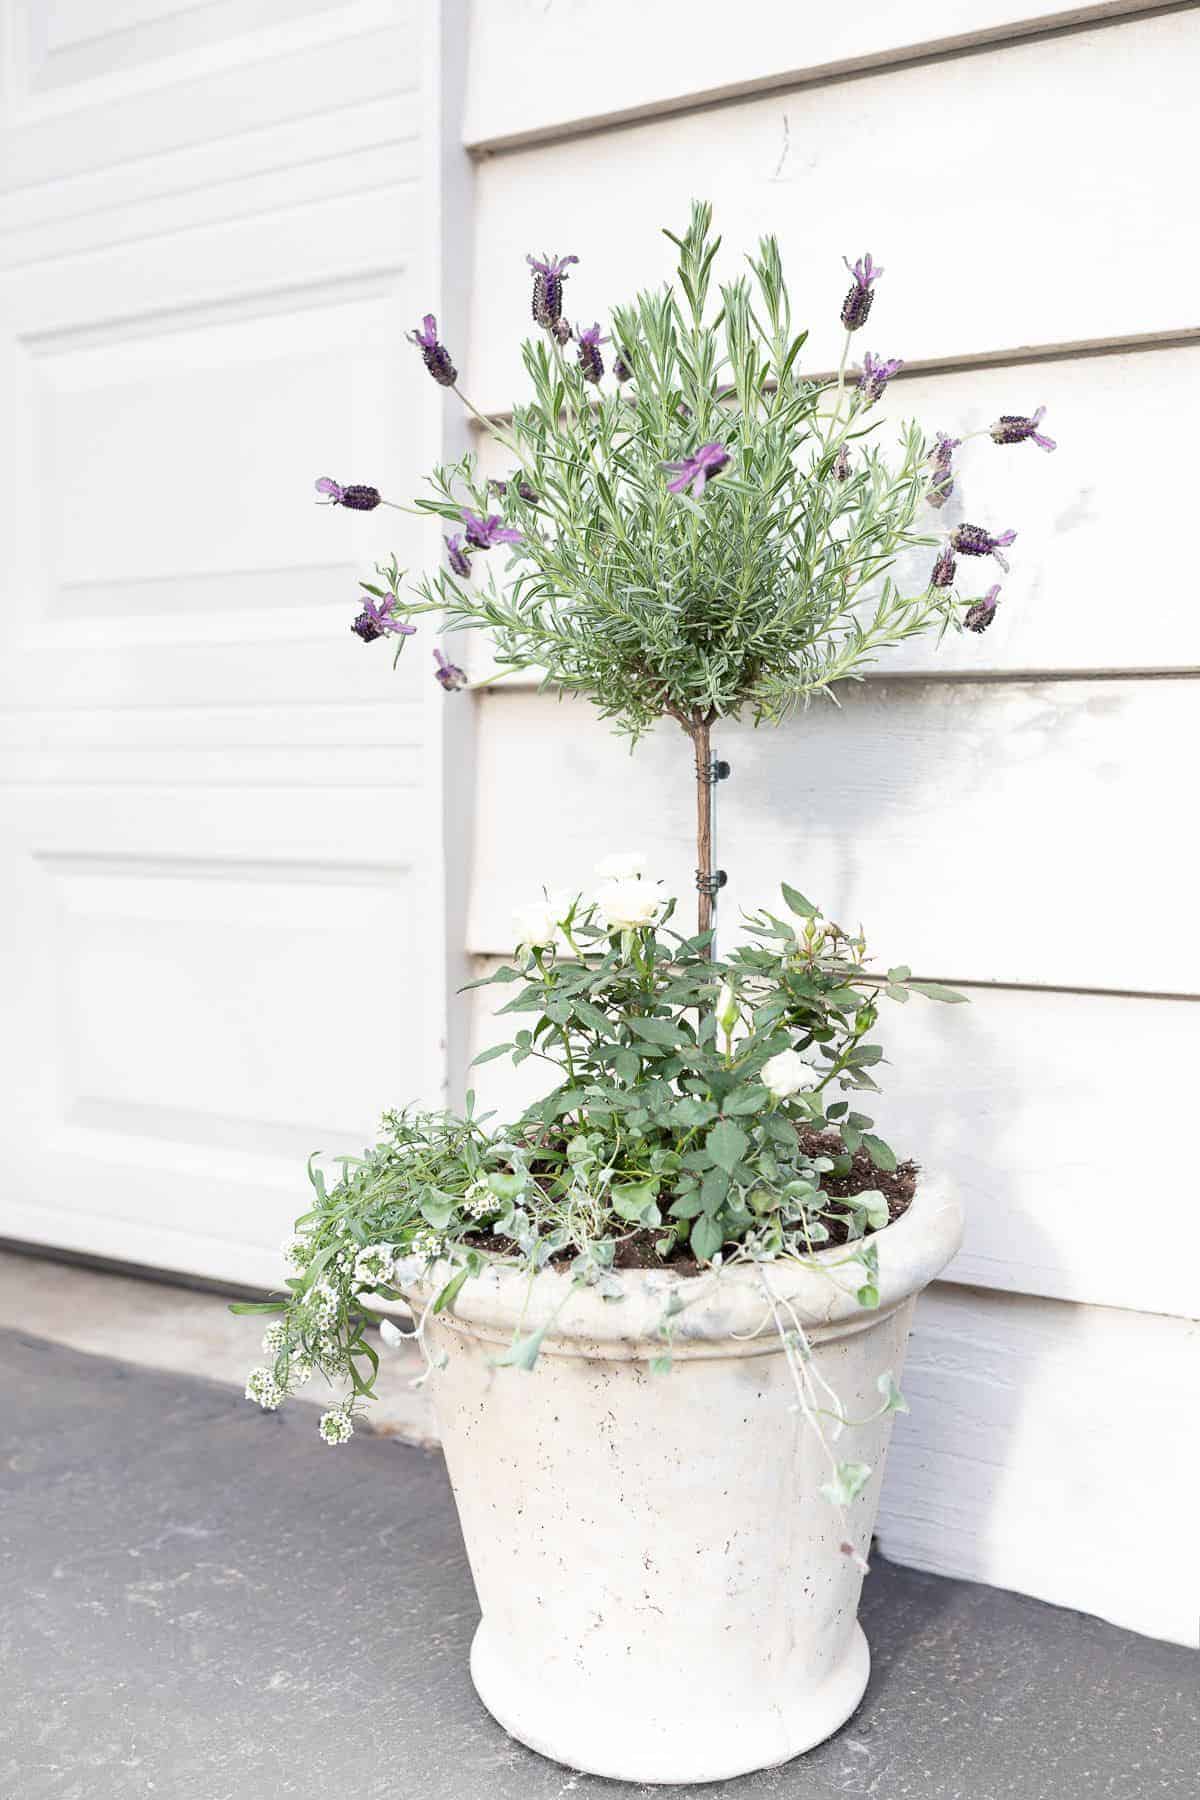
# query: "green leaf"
450,1292
875,1205
660,1365
901,972
257,1306
688,1206
726,1143
799,905
707,1238
627,1064
636,1201
488,1055
522,1353
933,990
657,1031
750,1099
881,1154
436,1211
850,1479
693,1111
868,1296
893,1399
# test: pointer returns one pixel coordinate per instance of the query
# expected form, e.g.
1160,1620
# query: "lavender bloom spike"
523,488
973,540
451,677
376,619
591,362
841,464
980,616
622,368
943,569
693,472
1014,428
457,557
435,356
874,376
857,304
561,332
942,485
548,277
483,533
357,497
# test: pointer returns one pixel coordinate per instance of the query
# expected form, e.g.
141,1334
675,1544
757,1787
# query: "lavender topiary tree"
714,535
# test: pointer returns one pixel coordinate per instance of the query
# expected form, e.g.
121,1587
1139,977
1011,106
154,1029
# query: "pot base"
695,1747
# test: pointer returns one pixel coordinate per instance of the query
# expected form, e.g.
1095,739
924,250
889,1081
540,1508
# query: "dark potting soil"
640,1249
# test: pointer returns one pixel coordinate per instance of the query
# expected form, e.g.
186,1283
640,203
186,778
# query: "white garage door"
218,848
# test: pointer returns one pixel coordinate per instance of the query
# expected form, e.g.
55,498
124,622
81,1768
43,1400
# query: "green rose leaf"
727,1143
881,1154
803,908
707,1238
933,990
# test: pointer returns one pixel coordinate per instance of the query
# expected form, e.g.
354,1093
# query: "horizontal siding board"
1043,1444
1012,1100
572,79
979,257
987,832
1071,602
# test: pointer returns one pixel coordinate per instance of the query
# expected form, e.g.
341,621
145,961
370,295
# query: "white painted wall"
1008,813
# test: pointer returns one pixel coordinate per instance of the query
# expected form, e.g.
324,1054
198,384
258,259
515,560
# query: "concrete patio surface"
202,1600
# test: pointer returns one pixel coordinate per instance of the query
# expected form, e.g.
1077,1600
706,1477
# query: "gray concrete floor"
202,1600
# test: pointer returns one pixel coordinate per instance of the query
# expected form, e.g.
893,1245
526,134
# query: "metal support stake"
713,771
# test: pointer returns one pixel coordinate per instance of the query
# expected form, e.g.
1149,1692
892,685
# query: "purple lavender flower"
980,616
591,362
377,618
523,488
448,674
875,375
693,472
841,464
1013,428
857,304
457,557
483,533
357,497
561,332
435,356
943,569
941,485
973,540
622,368
548,277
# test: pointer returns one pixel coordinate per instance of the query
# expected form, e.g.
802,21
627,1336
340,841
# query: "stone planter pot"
663,1592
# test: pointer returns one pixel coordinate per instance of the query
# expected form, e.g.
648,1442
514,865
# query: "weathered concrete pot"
663,1592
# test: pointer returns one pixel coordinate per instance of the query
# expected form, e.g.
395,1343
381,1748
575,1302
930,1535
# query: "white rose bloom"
536,926
628,905
627,865
788,1074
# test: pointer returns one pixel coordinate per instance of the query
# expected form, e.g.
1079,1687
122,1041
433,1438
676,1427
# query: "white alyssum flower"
626,865
788,1074
479,1202
336,1426
274,1338
296,1252
323,1303
262,1386
426,1246
374,1265
629,905
300,1370
537,926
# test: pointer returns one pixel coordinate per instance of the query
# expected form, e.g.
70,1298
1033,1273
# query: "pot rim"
725,1312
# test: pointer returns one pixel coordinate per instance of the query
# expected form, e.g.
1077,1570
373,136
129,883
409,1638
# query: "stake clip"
711,884
713,770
